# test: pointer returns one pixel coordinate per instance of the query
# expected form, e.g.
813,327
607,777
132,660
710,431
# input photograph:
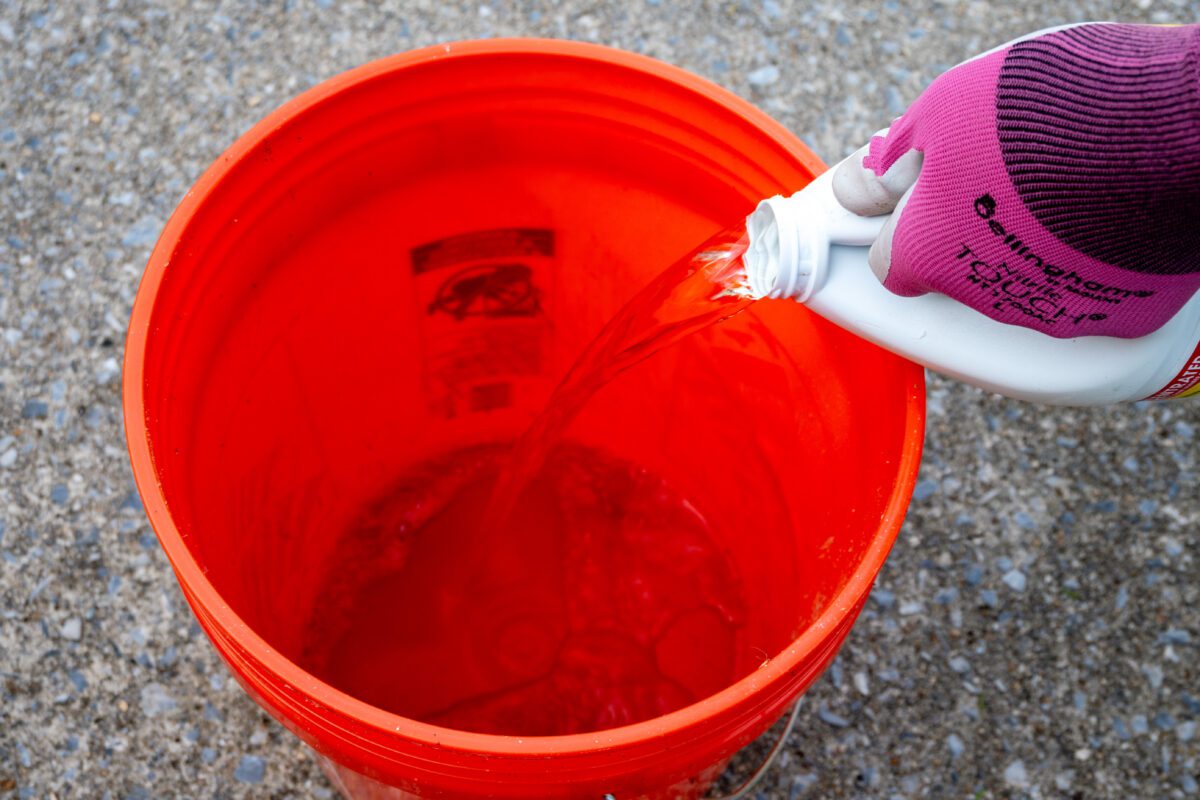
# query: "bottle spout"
790,238
787,254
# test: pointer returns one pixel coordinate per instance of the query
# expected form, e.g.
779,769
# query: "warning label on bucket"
482,308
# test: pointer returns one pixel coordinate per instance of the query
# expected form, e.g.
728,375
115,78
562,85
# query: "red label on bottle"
1186,383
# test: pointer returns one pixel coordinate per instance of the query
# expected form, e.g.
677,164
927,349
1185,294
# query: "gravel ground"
1034,634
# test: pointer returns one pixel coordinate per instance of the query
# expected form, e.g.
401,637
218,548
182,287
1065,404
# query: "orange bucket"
311,326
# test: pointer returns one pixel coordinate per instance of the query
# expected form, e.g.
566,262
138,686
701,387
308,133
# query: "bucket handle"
758,774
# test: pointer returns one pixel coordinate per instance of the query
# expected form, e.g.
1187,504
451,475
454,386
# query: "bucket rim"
192,575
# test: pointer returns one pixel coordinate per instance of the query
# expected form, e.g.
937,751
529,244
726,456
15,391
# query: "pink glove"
1052,183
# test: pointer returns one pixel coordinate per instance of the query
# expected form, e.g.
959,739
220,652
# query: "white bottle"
809,248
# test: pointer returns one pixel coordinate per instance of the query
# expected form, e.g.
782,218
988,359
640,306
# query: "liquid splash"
706,287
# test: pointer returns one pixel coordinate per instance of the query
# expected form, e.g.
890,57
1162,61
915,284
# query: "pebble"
250,770
72,629
76,677
831,718
1120,729
926,488
1163,721
156,700
142,233
1138,724
911,607
764,76
1015,580
802,783
35,409
955,745
1016,776
960,665
883,598
108,370
1175,636
861,684
1154,675
1185,731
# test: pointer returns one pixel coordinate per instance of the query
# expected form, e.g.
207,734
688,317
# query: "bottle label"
1185,384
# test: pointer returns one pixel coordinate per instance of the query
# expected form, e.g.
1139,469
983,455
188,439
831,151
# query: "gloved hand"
1052,183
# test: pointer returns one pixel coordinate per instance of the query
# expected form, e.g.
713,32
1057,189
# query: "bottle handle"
842,225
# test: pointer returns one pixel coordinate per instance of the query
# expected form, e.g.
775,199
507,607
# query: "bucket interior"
320,336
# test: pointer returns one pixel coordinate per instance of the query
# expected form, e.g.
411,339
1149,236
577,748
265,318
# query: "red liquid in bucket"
397,269
501,592
605,602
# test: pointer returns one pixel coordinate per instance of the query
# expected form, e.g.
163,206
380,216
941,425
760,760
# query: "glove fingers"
860,190
880,255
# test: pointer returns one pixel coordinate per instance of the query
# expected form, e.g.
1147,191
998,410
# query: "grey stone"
142,233
830,718
157,701
250,770
924,490
1175,636
1016,776
35,409
764,76
1015,580
72,629
1121,729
